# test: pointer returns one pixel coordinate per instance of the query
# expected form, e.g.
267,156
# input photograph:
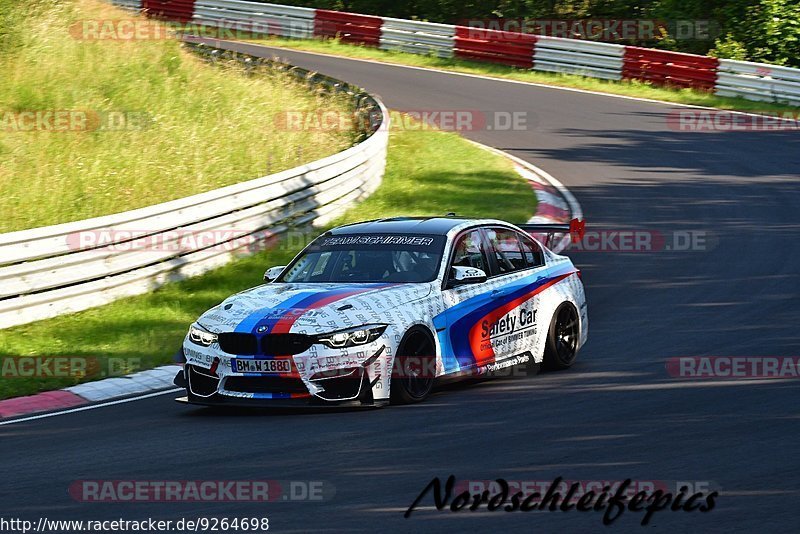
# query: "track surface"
616,415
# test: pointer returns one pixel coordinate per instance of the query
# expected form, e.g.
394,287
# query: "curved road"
616,415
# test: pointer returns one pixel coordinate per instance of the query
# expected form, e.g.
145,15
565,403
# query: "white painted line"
546,197
90,407
519,82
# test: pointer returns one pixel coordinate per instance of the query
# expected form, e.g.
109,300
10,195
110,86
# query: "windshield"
368,258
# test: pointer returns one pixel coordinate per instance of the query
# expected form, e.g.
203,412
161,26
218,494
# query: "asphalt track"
616,415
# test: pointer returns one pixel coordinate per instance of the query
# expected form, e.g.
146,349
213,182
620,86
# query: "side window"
322,263
534,256
299,272
311,267
506,249
470,252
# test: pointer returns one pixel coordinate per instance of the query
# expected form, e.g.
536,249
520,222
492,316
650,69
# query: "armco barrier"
757,81
754,81
418,37
671,69
256,18
177,10
507,48
128,4
348,27
54,270
586,58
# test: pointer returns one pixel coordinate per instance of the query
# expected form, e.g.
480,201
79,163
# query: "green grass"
428,173
196,128
631,88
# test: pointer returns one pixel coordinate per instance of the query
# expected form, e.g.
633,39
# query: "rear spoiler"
546,232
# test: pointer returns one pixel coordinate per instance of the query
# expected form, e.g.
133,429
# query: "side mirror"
273,273
460,276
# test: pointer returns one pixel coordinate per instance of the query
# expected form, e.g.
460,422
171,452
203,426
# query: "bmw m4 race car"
376,312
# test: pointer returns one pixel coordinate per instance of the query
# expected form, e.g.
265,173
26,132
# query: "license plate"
262,366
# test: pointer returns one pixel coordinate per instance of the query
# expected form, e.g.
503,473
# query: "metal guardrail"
491,46
180,10
416,37
54,270
586,58
670,69
43,273
348,27
758,81
128,4
256,18
754,81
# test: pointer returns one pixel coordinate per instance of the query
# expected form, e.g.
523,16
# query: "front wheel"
562,338
414,369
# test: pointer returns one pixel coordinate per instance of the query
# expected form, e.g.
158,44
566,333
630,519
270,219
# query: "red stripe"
284,325
487,356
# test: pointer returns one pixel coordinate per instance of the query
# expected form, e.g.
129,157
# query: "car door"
519,278
538,282
463,346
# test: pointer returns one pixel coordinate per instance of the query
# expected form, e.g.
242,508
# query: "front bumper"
307,403
205,390
315,379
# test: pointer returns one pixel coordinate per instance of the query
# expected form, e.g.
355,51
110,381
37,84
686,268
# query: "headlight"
200,336
360,335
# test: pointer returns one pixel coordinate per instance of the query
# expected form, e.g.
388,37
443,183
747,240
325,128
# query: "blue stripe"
463,316
449,361
272,395
250,324
299,301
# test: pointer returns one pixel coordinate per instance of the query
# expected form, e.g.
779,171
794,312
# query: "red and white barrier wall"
754,81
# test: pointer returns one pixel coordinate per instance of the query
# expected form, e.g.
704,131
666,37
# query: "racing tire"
414,368
561,349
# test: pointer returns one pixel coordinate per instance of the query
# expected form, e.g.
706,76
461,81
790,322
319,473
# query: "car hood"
341,305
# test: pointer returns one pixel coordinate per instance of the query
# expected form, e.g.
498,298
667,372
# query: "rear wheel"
414,368
562,338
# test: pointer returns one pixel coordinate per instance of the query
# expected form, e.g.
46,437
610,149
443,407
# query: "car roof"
404,225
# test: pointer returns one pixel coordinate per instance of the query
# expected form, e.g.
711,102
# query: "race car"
377,312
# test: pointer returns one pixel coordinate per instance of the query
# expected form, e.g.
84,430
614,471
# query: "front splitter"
304,403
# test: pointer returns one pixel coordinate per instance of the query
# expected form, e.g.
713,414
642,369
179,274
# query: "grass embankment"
180,126
428,173
631,88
